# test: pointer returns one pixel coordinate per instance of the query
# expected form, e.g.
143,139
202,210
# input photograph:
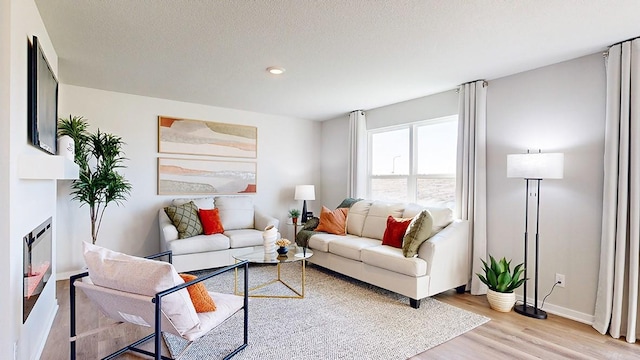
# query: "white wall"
558,108
27,203
335,136
285,159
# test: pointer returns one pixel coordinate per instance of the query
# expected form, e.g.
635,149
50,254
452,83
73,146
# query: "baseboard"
564,312
67,274
49,325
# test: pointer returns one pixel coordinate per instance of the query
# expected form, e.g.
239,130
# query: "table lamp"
304,193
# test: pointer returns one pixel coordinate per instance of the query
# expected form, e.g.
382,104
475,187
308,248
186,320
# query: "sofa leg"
460,289
414,303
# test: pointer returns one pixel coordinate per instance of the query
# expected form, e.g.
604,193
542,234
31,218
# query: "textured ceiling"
339,55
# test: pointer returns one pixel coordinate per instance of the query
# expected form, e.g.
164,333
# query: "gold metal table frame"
259,257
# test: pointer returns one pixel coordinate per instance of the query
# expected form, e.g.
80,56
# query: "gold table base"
298,294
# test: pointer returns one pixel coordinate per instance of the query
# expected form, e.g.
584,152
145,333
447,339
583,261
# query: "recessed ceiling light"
275,70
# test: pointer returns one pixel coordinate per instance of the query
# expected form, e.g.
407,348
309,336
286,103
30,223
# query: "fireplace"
36,265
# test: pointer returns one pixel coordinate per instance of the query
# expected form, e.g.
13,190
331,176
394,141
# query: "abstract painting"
204,177
196,137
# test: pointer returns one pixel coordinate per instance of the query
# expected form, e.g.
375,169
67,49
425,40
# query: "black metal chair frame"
157,334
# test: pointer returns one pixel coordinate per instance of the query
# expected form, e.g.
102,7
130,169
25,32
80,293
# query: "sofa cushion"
236,212
202,203
198,244
442,216
333,221
185,218
390,258
418,232
210,220
356,216
244,237
137,275
376,221
320,241
394,233
350,247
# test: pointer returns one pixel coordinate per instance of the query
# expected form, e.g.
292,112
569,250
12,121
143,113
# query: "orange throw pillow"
199,295
333,222
210,220
394,233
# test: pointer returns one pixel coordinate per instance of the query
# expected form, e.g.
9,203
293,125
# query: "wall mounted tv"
43,101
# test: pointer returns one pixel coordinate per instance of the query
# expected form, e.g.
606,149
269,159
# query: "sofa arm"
262,220
168,231
447,257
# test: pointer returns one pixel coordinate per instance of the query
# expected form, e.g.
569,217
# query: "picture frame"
180,176
199,137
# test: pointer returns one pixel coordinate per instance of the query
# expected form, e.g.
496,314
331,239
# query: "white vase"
66,147
269,237
502,302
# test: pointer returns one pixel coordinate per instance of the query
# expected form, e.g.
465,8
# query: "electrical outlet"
560,280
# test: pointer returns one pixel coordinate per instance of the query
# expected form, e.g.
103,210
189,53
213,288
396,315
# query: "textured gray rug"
339,318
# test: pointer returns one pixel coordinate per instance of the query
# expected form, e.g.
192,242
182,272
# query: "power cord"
544,299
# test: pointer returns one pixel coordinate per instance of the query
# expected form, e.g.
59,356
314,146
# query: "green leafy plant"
294,213
498,276
98,155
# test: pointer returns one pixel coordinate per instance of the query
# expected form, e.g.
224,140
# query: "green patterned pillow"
418,232
185,218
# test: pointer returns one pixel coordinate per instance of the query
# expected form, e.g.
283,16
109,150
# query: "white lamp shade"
305,192
535,166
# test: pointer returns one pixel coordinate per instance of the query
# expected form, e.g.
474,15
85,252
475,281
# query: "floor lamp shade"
304,193
533,167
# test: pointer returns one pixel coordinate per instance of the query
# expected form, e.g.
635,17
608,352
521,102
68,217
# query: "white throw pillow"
205,203
236,212
137,275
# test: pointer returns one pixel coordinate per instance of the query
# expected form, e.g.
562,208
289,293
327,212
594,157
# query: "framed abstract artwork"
197,137
205,177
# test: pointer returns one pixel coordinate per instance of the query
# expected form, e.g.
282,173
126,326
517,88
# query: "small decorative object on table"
294,214
282,246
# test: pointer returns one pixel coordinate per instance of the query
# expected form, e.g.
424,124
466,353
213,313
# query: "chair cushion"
186,219
390,258
418,232
202,203
357,214
198,244
333,221
137,275
226,305
236,212
376,221
244,238
199,295
210,220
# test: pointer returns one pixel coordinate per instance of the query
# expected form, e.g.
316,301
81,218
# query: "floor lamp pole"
524,309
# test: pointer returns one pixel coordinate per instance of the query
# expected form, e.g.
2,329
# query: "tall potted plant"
501,282
98,155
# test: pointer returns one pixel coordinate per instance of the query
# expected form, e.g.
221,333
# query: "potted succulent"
501,282
99,155
294,214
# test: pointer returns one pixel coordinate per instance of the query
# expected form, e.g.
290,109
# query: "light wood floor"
506,336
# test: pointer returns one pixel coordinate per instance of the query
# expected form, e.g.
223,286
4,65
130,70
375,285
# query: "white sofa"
243,226
442,262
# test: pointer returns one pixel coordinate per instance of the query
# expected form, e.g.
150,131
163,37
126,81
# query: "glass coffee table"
259,257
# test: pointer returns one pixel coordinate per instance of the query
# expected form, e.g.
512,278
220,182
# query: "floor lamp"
533,167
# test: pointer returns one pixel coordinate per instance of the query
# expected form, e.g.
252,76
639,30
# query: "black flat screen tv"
43,101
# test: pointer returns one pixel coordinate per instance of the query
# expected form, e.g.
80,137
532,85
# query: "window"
414,162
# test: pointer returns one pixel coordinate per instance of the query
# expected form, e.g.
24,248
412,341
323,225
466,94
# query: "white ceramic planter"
502,302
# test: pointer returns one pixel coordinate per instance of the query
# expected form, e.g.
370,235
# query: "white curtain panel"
357,174
471,174
618,282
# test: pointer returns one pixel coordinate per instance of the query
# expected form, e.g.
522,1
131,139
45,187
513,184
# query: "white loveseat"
243,226
442,262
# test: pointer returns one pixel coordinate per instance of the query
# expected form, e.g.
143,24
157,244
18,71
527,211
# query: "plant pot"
502,302
282,250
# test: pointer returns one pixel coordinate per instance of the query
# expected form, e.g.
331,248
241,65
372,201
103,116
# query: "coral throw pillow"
211,221
333,222
394,233
199,295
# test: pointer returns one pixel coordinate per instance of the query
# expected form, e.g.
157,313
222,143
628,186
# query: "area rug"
339,318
